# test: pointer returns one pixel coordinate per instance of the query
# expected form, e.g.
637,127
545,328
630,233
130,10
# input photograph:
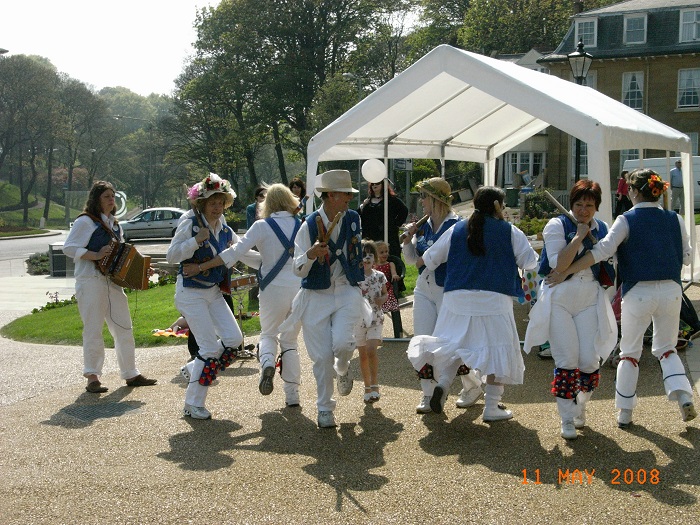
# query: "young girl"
389,270
368,333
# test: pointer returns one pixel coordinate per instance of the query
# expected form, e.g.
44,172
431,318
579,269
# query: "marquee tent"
456,105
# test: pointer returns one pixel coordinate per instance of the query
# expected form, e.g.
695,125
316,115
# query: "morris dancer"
576,317
476,326
198,238
274,238
330,303
652,245
99,299
435,194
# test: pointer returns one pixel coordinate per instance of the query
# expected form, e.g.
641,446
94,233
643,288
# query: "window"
628,154
633,90
584,159
689,88
586,31
690,25
635,29
523,167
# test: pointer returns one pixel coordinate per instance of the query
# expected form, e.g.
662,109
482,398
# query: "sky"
138,44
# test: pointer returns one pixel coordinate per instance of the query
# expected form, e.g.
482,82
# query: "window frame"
578,35
682,23
626,31
626,82
680,91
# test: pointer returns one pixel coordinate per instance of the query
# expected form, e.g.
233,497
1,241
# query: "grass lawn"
150,309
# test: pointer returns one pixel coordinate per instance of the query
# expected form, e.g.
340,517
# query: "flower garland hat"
438,188
209,186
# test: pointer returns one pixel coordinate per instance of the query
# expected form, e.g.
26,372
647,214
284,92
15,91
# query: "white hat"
335,180
209,186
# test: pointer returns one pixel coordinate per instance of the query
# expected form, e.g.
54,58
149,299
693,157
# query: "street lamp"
580,63
151,167
3,51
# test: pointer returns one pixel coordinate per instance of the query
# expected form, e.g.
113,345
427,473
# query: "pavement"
128,456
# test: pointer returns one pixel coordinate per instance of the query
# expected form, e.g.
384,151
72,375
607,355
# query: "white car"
153,222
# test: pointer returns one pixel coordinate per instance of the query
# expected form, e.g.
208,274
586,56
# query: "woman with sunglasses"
372,216
436,199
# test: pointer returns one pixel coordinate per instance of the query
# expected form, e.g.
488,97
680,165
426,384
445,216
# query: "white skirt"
477,328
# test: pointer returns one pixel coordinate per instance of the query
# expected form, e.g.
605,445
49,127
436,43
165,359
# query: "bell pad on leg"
426,372
566,383
589,382
227,357
210,371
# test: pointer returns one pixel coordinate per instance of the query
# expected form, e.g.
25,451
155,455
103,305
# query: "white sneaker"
266,384
437,400
185,372
496,414
326,419
469,397
196,412
685,403
424,406
568,430
624,417
344,384
580,420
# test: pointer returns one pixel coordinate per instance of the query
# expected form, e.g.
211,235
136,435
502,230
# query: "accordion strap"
99,221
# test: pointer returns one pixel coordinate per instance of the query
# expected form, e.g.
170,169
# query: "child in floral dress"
368,332
388,268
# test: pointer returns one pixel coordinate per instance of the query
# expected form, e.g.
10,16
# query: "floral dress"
391,304
371,289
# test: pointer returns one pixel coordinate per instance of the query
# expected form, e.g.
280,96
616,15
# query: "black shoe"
266,377
437,401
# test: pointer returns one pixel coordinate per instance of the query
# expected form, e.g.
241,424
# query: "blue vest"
425,238
654,249
288,245
349,238
101,236
217,275
496,271
606,276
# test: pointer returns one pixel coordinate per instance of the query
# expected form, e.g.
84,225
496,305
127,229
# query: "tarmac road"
128,456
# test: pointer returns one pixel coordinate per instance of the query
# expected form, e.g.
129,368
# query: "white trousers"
100,300
212,323
574,324
328,322
657,302
275,306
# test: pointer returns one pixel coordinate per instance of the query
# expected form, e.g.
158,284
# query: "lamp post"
3,51
352,76
579,62
149,173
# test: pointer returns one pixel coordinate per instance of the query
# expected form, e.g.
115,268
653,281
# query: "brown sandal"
139,380
95,387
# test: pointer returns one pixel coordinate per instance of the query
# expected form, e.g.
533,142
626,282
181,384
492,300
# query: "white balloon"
373,170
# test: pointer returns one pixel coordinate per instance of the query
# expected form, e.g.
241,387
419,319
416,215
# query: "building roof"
663,25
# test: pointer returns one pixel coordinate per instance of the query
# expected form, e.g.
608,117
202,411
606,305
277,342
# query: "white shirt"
76,243
270,249
410,254
555,241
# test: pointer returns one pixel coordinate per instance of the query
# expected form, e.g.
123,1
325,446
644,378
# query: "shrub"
38,264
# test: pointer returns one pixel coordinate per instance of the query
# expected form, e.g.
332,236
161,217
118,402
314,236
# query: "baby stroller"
689,327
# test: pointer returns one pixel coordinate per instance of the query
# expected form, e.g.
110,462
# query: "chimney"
578,6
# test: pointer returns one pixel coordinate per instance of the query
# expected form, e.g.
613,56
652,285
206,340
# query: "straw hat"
438,188
335,180
209,186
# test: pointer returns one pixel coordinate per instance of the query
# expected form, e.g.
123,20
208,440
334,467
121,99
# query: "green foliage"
538,206
531,225
38,264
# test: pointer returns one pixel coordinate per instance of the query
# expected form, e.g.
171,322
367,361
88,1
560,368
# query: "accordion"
125,266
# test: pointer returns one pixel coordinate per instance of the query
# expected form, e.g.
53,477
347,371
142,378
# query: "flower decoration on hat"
210,185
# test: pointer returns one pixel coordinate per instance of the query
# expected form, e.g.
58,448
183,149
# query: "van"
662,165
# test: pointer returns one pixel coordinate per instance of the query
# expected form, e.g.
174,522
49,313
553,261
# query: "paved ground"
129,457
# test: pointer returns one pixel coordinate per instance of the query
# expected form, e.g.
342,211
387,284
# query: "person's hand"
582,230
190,269
318,250
420,263
554,278
104,251
407,235
202,235
396,277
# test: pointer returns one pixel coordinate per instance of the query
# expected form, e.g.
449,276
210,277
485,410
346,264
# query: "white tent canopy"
456,105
